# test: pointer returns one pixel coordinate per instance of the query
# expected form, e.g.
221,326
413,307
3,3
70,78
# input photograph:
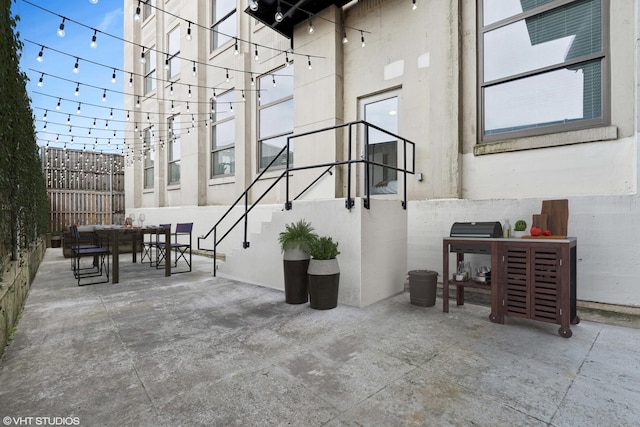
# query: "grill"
474,230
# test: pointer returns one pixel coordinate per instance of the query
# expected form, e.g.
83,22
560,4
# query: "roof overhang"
293,11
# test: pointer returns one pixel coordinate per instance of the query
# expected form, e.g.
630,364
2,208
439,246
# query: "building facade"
508,102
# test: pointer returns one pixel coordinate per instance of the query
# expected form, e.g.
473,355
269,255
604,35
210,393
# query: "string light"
131,80
286,58
77,92
309,61
253,5
227,75
188,36
142,58
68,118
40,80
187,107
236,52
93,1
172,106
104,96
136,16
76,69
128,115
94,122
138,102
194,72
78,110
256,57
111,114
106,124
243,99
113,76
61,27
166,63
44,118
39,58
414,6
189,94
94,39
273,79
278,16
345,40
171,89
58,106
253,83
310,29
362,39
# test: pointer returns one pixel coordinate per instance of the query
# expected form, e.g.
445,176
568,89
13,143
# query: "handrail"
285,174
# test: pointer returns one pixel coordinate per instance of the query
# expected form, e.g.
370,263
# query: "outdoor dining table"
114,234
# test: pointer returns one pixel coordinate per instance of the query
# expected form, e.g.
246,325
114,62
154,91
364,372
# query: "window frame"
173,56
148,161
147,9
267,78
213,148
149,71
232,14
540,129
173,139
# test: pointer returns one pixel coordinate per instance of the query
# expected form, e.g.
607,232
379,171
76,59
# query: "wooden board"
557,215
540,221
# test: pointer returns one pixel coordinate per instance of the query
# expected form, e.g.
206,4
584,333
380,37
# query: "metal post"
404,152
245,243
287,204
367,190
215,247
349,202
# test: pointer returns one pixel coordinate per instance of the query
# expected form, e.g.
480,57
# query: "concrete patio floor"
197,350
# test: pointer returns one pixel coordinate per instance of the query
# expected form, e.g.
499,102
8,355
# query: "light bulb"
77,91
256,57
93,1
362,39
414,5
236,52
136,16
94,40
131,80
194,72
253,5
142,58
61,28
311,29
39,58
113,76
40,81
188,36
279,17
75,67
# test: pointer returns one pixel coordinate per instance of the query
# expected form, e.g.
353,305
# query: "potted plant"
324,274
295,242
519,228
56,239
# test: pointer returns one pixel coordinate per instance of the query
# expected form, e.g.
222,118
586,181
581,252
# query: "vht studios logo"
41,421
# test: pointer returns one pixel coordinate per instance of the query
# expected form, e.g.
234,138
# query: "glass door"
382,149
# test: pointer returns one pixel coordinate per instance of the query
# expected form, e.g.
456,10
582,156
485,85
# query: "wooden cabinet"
531,278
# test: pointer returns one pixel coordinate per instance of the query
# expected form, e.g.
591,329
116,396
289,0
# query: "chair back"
73,229
184,228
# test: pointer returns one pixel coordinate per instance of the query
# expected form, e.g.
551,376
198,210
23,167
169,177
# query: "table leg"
167,250
115,255
445,277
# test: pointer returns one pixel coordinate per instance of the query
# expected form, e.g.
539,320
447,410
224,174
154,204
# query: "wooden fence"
84,187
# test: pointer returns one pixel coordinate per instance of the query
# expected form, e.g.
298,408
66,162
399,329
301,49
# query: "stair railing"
349,202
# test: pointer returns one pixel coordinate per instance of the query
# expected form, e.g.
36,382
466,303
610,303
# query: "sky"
37,28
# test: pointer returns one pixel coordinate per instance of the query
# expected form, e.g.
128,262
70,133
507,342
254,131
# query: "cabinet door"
514,278
545,280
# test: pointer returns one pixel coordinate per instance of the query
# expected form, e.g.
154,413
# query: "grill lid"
476,229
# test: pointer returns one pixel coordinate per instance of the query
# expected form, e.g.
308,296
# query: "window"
382,111
275,115
147,8
223,19
174,149
542,67
223,136
148,159
173,59
150,70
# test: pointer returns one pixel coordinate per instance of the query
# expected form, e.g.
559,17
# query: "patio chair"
97,251
80,242
147,250
156,243
179,246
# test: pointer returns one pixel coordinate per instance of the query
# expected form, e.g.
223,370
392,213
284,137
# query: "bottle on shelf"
506,229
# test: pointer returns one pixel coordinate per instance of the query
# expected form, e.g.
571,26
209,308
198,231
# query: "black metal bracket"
349,203
245,245
288,206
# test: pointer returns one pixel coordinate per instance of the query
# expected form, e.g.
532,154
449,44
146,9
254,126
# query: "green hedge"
24,209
